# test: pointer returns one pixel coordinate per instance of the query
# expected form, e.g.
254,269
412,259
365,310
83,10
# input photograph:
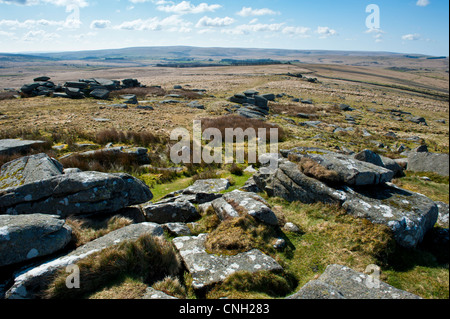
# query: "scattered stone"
238,203
443,214
208,269
101,94
177,229
292,228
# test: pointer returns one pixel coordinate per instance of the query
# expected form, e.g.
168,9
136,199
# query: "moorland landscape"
356,208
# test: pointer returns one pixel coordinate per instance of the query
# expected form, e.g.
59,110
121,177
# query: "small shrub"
236,170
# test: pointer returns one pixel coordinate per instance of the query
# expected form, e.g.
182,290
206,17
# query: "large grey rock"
12,146
238,203
29,282
350,171
28,236
29,169
75,194
289,183
170,212
208,269
409,215
340,282
429,162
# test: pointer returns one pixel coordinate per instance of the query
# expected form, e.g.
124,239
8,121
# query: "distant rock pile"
252,104
96,88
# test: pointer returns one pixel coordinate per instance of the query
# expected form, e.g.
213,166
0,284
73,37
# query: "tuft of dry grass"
140,92
85,230
239,235
312,169
147,259
144,138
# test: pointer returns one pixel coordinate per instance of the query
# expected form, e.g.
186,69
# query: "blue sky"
406,26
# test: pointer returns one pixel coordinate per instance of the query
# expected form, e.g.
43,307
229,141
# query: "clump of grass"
102,162
85,230
239,235
236,170
127,288
172,287
147,259
262,284
7,95
187,94
140,92
313,169
144,138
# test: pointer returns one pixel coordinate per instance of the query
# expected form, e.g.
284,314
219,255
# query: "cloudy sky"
406,26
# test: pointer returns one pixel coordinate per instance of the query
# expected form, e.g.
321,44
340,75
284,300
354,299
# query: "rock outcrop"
409,215
75,194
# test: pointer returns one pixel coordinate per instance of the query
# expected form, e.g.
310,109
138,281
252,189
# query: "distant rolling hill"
138,53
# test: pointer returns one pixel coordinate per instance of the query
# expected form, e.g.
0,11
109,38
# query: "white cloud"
411,37
59,3
214,22
39,35
422,3
100,24
185,7
32,24
249,12
326,32
172,24
296,30
259,27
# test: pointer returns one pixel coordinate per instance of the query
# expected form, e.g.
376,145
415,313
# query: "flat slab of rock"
30,281
208,269
170,212
29,169
238,203
204,191
75,194
429,162
152,293
25,237
12,146
208,186
340,282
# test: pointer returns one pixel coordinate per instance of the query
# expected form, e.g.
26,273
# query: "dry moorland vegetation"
327,234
